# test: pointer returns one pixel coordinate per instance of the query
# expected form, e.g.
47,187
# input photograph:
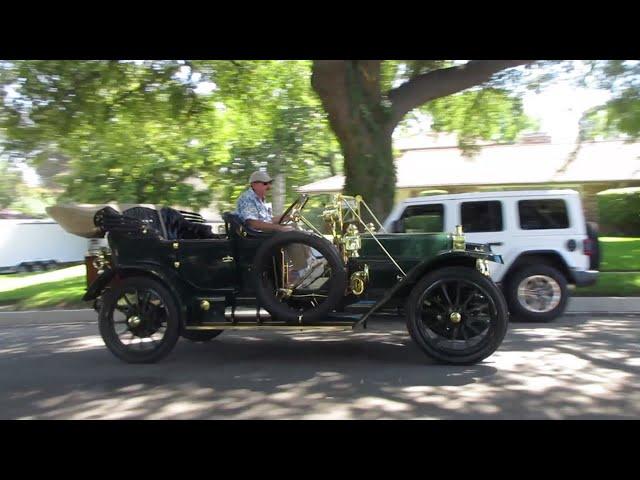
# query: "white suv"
542,235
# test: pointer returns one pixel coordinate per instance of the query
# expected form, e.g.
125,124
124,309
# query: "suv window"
543,214
423,218
484,216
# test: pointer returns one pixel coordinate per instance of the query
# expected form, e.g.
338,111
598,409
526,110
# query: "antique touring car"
165,274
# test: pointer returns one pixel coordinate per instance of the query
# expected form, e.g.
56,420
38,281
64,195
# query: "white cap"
260,177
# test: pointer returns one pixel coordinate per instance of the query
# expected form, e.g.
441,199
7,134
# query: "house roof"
543,163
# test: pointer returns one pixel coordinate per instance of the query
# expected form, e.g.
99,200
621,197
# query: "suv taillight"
587,246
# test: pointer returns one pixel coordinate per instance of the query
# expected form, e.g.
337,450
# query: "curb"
609,305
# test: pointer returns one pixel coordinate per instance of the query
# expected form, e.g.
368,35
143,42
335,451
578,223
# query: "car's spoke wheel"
456,315
139,320
299,291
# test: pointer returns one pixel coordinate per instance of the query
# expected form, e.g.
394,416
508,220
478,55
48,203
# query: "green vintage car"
167,275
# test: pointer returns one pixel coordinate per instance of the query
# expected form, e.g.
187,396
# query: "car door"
207,264
548,223
484,221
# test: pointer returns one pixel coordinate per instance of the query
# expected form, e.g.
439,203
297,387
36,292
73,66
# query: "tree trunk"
369,168
279,188
350,94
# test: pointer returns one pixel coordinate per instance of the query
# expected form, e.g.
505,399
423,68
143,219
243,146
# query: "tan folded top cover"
77,218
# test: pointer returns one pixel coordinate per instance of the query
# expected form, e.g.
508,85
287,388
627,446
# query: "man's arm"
266,226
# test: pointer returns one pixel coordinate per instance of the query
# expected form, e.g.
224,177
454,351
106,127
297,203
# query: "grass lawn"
622,284
620,254
619,269
55,289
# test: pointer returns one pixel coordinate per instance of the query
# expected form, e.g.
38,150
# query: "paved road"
578,367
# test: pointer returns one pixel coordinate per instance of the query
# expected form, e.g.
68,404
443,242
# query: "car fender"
446,258
168,278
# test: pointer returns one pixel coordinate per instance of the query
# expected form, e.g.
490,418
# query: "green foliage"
143,132
32,201
9,181
480,114
595,125
146,131
622,207
124,130
279,125
621,114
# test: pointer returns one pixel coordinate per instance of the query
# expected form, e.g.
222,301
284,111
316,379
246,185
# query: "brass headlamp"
458,239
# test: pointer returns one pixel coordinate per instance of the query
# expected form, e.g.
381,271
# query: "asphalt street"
579,367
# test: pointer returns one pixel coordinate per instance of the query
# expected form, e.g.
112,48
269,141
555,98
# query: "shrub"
619,211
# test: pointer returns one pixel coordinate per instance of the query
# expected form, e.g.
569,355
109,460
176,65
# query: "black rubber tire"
337,287
108,332
487,346
511,293
200,335
592,233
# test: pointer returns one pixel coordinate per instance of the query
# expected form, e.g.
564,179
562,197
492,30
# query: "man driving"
253,210
255,213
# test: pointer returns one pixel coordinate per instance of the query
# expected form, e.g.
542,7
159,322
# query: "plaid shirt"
250,207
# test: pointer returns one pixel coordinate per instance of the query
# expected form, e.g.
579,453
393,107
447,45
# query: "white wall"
38,240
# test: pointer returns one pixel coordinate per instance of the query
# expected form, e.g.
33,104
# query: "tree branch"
325,158
443,82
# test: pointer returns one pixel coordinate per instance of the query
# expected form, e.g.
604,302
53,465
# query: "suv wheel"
537,293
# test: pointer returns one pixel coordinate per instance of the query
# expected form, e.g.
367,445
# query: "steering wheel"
301,201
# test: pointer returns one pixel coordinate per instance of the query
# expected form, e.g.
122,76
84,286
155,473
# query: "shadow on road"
575,369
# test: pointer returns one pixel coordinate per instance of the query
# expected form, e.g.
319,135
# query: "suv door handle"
497,244
227,259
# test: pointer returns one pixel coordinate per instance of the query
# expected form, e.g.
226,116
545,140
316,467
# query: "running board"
326,326
333,321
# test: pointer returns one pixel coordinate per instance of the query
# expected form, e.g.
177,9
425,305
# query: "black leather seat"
237,227
148,217
185,225
171,224
138,222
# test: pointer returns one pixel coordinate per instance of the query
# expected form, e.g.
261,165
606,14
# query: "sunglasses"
266,183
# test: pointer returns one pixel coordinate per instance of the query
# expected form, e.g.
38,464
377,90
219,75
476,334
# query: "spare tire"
592,233
266,293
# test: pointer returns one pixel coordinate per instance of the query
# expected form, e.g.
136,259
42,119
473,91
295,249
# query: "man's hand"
281,219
